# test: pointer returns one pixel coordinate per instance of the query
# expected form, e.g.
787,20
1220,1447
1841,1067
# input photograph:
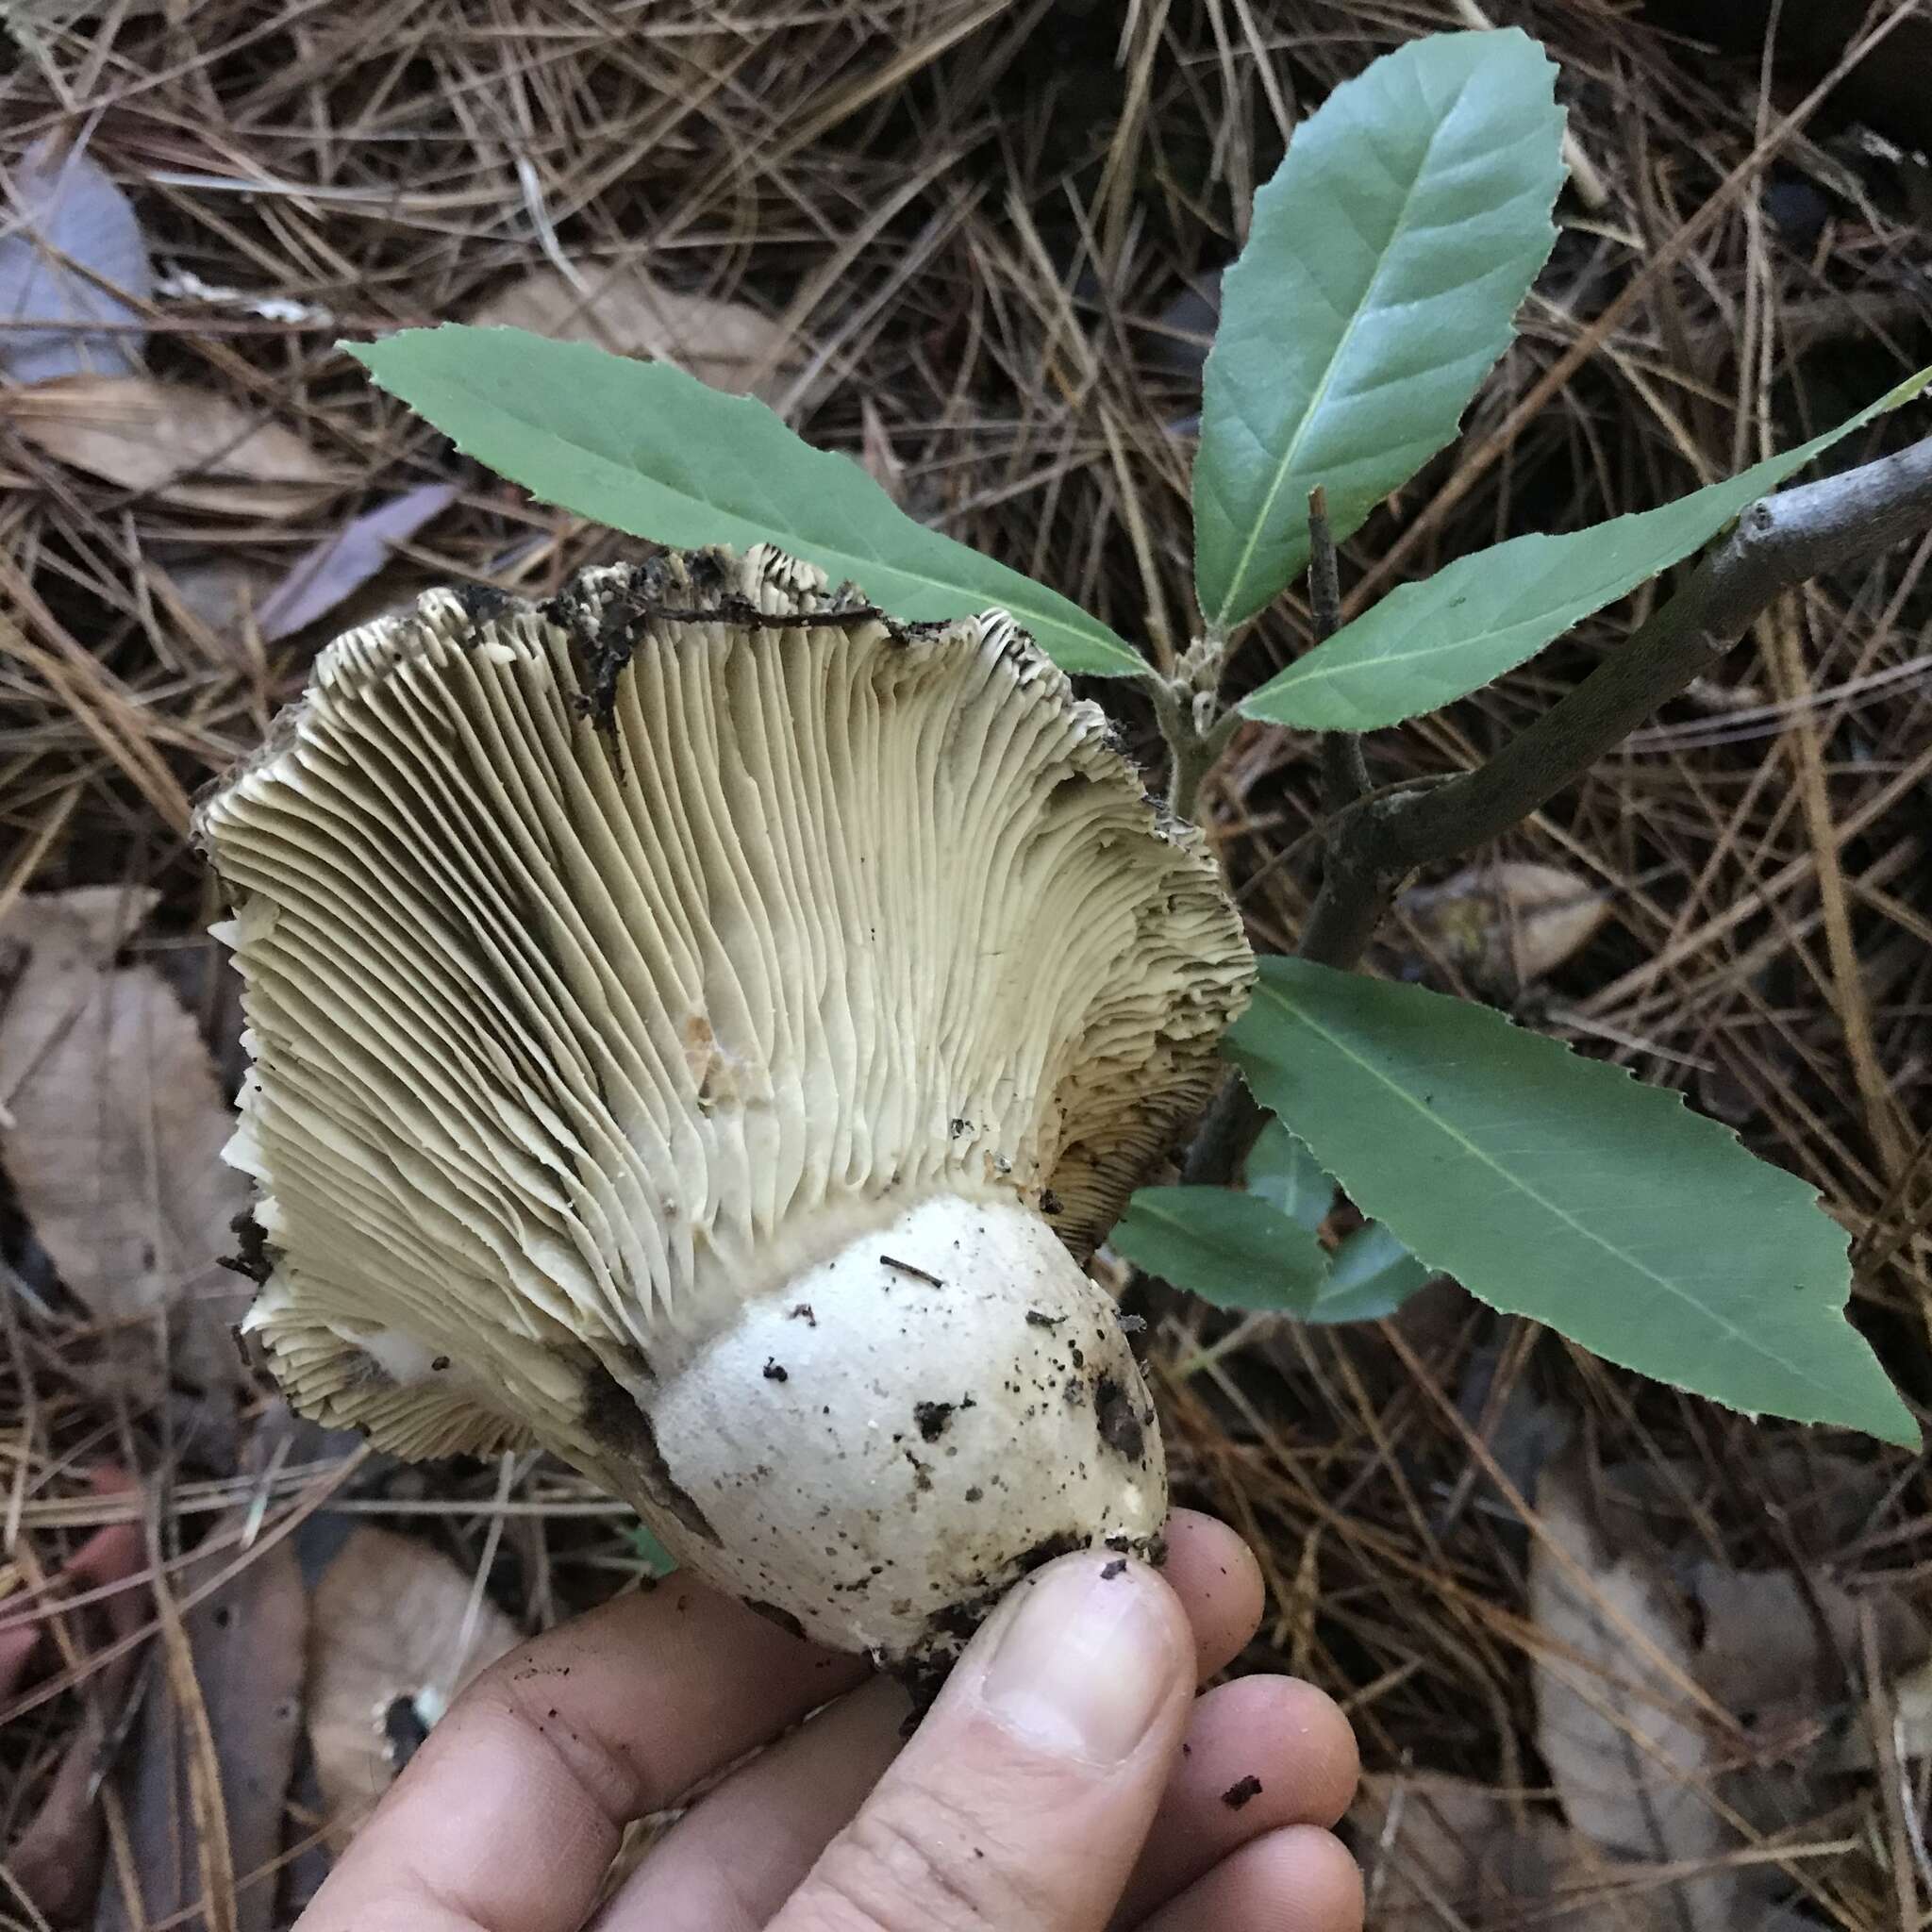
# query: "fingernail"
1084,1662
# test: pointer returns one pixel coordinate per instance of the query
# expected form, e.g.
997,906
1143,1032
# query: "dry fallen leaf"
1181,336
56,1860
395,1632
1781,1650
65,216
1422,1838
727,344
233,594
117,1125
1442,1851
340,565
224,588
1822,1500
1776,1644
1785,1656
1630,1761
1910,1699
1507,923
191,448
205,1788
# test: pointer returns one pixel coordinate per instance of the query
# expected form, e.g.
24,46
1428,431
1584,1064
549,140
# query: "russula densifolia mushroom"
700,1026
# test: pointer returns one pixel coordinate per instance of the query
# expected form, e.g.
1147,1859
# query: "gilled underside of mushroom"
693,1019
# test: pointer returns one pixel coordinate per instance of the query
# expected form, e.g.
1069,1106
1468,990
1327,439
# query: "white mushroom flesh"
957,1401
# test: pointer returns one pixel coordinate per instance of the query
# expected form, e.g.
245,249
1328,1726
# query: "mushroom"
699,1026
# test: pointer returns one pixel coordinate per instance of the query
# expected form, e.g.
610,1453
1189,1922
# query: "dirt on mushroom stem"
924,1445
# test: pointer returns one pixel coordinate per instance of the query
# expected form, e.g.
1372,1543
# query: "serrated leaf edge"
1263,988
1220,621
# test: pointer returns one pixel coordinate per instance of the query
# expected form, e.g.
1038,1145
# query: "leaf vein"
1477,1152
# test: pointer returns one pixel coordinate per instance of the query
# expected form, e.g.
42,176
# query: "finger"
733,1861
508,1815
1216,1578
742,1852
1023,1799
1260,1755
1299,1879
746,1848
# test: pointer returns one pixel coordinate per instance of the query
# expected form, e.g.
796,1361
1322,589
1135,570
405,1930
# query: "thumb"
1023,1800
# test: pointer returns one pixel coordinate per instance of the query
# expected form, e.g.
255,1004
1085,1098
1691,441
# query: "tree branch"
1775,545
1344,771
1779,542
1196,752
1228,1129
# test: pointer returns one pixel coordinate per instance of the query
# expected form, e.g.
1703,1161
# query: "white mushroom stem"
922,1377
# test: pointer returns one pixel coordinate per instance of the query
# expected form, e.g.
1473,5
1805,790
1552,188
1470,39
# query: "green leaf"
1383,269
645,448
1559,1188
1235,1250
1284,1173
1372,1276
657,1559
1426,644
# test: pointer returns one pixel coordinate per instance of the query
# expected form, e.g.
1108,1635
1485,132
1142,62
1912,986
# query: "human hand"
1067,1779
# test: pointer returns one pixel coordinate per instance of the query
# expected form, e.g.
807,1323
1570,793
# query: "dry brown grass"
977,220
